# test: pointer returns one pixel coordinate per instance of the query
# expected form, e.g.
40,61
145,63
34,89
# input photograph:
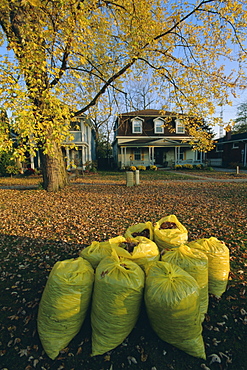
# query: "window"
181,154
137,154
136,125
75,126
219,148
180,128
198,156
158,126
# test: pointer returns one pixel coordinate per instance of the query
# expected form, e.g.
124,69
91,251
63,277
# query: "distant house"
230,150
84,140
143,138
83,152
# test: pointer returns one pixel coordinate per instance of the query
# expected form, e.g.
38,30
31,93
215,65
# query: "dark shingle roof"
148,112
233,137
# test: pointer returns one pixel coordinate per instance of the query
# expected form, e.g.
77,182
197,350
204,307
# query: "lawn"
40,228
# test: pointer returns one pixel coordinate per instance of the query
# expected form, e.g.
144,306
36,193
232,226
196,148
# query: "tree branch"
104,87
63,65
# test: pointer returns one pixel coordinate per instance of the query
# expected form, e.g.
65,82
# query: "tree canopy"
65,54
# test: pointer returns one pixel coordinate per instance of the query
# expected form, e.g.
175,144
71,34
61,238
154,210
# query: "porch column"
89,147
176,154
67,157
32,162
38,158
245,155
122,156
125,150
151,155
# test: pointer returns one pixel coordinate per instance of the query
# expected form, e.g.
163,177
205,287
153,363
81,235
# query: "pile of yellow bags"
155,262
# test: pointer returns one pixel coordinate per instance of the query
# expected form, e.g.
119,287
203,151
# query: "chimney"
228,134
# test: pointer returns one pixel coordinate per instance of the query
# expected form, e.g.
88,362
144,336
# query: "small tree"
8,165
240,125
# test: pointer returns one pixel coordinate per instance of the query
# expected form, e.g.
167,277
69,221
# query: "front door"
158,156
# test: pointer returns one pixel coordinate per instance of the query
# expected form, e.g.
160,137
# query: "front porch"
165,157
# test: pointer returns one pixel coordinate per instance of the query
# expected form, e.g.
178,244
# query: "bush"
91,166
29,172
153,168
198,167
7,164
132,168
141,168
187,166
178,167
12,170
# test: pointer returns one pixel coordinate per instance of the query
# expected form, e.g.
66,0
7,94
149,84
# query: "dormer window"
137,125
158,126
180,127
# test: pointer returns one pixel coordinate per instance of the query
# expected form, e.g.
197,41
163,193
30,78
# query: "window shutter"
142,153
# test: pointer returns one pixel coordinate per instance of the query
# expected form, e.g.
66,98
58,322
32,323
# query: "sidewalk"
212,179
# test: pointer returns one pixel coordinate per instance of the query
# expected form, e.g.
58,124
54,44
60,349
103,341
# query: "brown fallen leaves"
40,228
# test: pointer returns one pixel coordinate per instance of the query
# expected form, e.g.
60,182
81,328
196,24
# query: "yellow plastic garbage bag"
64,304
194,262
172,303
140,250
169,233
95,252
117,297
142,229
218,263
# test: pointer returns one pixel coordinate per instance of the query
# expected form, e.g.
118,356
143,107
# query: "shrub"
141,168
132,168
209,168
198,167
12,170
91,166
7,164
187,166
153,168
178,167
29,171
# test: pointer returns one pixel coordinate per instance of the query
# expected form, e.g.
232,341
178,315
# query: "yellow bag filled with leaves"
169,232
95,252
64,304
218,263
194,262
172,303
117,297
142,229
140,250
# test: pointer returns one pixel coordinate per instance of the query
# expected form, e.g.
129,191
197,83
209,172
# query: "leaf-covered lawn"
40,228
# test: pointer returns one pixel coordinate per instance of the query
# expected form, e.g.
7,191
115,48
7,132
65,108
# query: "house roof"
148,112
233,137
154,142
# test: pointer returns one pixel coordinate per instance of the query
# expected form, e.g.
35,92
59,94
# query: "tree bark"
53,170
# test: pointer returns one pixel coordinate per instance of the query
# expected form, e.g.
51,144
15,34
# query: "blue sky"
228,112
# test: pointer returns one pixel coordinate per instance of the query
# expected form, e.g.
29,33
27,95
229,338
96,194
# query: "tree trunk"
53,170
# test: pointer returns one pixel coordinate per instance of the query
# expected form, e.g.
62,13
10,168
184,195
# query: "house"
79,149
144,137
83,139
230,151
